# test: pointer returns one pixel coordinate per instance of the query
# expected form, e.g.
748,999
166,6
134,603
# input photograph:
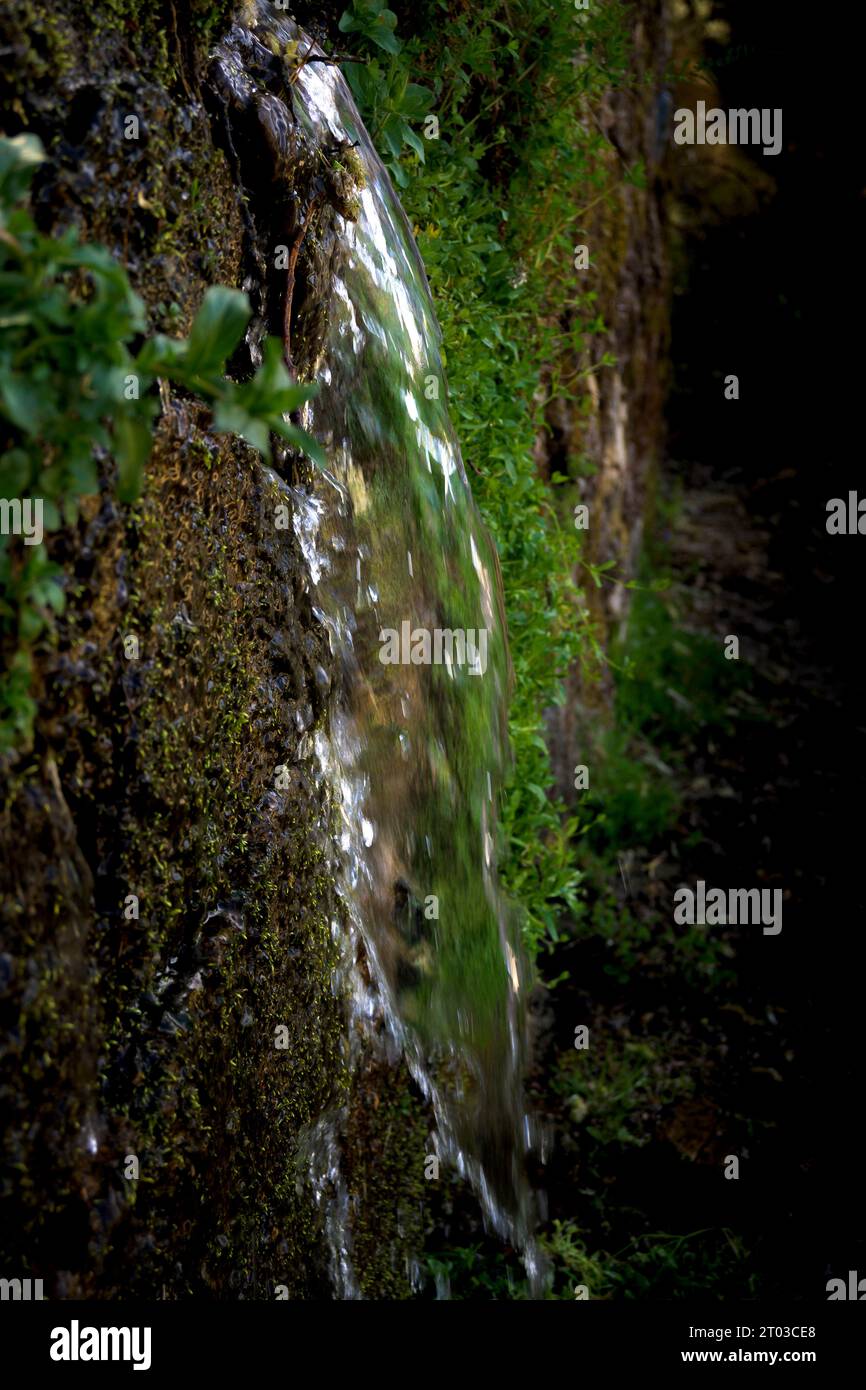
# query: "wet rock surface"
167,906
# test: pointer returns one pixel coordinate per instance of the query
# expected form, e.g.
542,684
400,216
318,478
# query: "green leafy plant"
394,102
375,21
253,409
75,394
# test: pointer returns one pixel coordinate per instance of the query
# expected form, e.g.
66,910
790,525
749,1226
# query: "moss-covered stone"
174,907
387,1141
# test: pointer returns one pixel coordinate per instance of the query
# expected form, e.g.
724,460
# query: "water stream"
406,581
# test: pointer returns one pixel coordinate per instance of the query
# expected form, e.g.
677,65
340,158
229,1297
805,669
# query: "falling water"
415,753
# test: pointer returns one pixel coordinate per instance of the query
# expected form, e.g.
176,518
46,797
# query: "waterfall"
405,579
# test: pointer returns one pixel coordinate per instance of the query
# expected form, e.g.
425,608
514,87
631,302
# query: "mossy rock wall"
610,442
167,899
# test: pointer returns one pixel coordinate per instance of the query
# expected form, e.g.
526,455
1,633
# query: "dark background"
777,298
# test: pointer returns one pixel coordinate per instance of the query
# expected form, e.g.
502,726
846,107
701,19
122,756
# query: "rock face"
167,905
617,432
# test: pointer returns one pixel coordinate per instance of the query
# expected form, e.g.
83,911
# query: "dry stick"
331,58
290,284
301,61
334,58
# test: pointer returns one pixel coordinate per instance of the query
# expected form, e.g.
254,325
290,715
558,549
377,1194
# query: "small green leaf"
22,402
217,329
392,135
162,356
230,417
14,473
414,140
20,157
304,441
132,445
416,100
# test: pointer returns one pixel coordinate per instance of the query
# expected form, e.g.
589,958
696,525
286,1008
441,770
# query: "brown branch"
290,283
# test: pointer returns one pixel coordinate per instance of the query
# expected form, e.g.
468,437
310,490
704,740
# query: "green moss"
231,886
387,1141
154,1035
42,41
